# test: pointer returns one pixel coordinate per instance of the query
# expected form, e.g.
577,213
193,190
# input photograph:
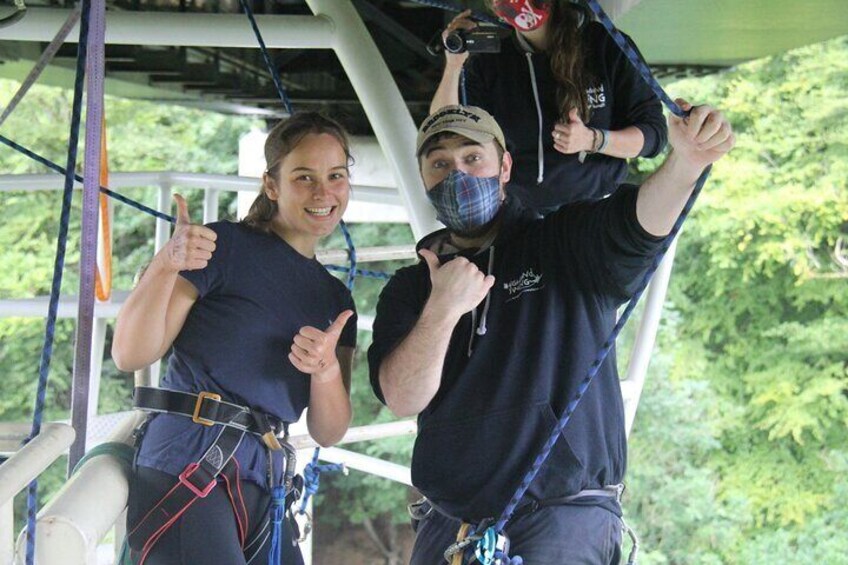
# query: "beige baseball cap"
468,121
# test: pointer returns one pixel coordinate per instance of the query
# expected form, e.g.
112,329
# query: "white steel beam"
646,335
7,531
194,181
359,433
367,254
367,464
182,29
31,460
71,525
383,104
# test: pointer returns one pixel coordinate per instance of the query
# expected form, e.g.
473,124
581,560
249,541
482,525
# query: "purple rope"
88,243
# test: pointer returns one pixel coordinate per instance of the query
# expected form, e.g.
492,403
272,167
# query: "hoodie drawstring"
541,176
481,328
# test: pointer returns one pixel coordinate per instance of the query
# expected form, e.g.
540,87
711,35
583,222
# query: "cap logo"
447,112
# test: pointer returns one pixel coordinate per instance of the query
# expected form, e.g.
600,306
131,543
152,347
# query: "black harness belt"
207,409
198,479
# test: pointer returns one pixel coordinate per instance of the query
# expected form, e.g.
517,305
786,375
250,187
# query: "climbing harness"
198,479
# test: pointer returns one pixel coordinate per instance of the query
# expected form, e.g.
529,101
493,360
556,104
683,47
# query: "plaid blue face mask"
465,203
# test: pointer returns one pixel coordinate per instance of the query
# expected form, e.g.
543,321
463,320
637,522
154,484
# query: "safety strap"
196,481
208,409
611,491
199,479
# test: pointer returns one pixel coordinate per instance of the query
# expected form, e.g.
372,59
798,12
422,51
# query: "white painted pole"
210,206
31,460
646,335
359,433
181,29
31,183
7,531
368,254
383,104
367,464
98,346
85,509
163,234
163,227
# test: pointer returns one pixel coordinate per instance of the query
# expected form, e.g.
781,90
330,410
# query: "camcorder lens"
455,42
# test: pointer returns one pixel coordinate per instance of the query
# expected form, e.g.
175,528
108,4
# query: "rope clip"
491,547
306,528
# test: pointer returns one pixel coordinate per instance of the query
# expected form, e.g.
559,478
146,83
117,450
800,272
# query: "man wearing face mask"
488,337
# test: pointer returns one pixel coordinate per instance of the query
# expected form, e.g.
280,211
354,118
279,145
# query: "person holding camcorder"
571,105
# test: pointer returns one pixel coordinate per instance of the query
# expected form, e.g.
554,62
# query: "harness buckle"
195,417
189,471
271,442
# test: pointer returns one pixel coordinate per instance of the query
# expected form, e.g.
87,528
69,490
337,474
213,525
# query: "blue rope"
58,269
278,512
463,94
351,255
63,171
635,59
275,75
360,272
607,346
312,477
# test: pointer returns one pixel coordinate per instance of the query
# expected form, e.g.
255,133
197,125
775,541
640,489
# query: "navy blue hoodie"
520,98
558,282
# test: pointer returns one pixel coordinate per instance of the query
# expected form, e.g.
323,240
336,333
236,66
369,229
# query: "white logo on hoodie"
529,281
597,97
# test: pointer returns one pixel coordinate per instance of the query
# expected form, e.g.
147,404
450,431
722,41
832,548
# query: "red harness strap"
195,482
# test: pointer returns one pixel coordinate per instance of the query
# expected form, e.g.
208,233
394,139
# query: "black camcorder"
478,40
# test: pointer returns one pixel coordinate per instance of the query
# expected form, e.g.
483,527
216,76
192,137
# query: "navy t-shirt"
254,296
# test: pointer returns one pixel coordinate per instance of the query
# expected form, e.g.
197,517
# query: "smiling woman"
259,332
306,186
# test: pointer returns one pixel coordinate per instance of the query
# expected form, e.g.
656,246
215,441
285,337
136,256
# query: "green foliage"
752,470
142,136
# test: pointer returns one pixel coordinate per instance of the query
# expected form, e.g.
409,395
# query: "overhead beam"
729,32
183,29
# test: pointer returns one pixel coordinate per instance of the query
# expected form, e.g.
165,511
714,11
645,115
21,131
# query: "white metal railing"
227,183
94,500
23,466
30,460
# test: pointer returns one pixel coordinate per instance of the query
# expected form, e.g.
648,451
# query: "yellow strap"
460,535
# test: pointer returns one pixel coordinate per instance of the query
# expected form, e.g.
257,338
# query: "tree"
759,289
